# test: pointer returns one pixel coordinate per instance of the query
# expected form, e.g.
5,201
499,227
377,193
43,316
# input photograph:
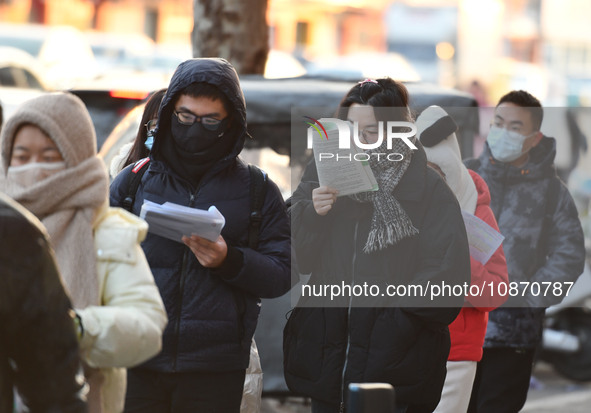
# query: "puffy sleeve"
444,258
126,329
309,230
488,276
565,258
265,271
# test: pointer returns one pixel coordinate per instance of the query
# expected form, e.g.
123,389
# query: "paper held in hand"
172,221
338,168
483,240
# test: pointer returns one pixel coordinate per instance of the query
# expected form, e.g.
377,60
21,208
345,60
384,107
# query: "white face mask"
506,146
31,173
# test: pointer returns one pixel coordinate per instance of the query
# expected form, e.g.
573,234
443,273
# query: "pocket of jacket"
240,308
394,349
303,343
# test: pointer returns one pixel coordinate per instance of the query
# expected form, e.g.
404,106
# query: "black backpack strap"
258,191
134,177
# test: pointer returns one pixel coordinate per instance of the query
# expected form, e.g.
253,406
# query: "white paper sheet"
346,176
172,221
483,239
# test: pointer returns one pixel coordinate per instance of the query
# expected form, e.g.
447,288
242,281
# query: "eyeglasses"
187,118
151,125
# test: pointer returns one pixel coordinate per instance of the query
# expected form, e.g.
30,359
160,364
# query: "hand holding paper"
174,221
209,254
323,199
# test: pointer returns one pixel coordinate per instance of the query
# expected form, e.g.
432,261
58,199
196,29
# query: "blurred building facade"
165,21
319,28
542,45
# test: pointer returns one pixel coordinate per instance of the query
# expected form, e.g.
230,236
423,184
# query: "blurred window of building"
302,33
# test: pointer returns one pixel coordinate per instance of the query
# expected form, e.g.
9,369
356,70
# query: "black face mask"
192,150
195,138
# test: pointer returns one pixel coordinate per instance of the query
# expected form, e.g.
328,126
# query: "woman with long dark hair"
409,233
142,145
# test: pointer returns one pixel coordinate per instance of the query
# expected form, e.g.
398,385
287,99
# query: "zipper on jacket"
342,405
504,181
181,292
180,308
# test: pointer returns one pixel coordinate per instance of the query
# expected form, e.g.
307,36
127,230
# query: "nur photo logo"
326,133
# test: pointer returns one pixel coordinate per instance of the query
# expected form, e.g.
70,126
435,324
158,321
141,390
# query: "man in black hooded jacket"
211,290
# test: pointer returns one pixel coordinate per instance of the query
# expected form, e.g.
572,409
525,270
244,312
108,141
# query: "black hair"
379,93
138,150
202,89
528,102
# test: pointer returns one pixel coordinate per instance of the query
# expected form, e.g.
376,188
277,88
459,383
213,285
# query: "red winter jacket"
468,329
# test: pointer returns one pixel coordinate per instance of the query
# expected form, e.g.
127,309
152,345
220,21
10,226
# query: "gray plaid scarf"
389,223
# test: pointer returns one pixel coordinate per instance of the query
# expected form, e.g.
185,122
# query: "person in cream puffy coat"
127,328
49,165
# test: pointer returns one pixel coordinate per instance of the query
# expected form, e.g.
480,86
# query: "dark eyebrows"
513,122
210,115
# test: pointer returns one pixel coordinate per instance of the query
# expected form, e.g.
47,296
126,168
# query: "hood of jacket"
481,188
63,117
219,73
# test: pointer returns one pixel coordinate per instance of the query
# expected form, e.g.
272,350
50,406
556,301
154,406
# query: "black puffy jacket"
376,339
212,314
36,331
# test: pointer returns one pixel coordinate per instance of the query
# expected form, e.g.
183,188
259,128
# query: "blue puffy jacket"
212,313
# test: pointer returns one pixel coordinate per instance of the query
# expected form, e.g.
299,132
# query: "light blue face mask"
149,141
506,146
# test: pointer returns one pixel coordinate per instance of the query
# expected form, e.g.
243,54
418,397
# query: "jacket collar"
412,184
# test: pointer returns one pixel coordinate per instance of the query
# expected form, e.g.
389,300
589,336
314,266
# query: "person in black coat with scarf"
409,233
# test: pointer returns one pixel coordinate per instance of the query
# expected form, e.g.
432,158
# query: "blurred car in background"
20,79
270,106
163,58
282,65
137,85
364,65
123,133
12,97
66,60
119,50
108,106
62,51
19,69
